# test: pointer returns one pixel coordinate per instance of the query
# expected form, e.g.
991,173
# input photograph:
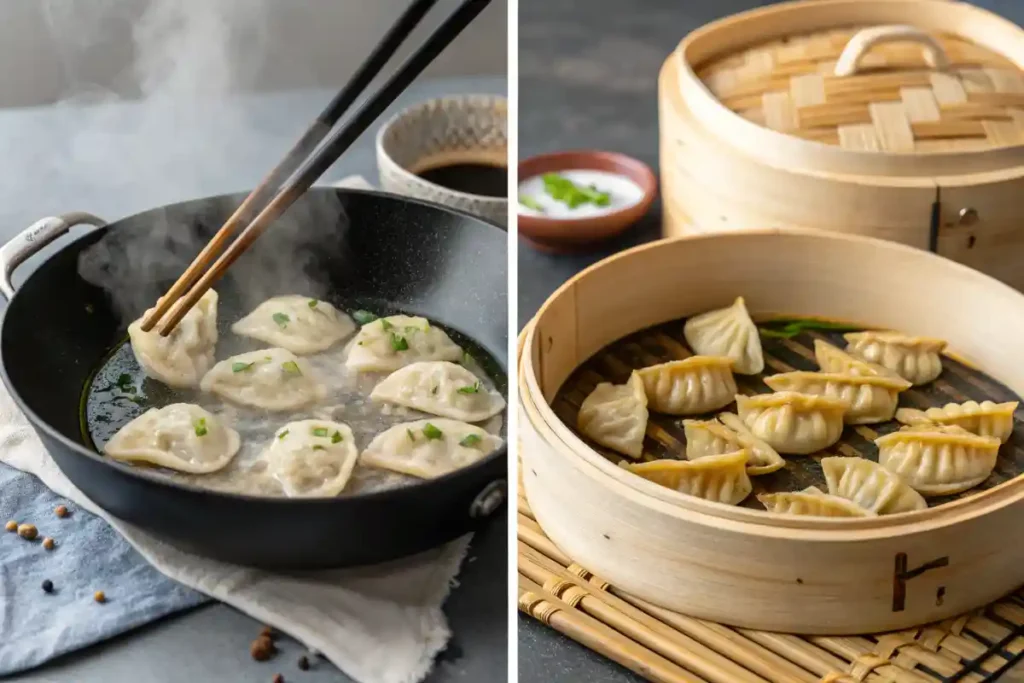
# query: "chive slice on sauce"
124,383
336,437
200,426
319,431
470,390
363,317
318,447
412,437
530,203
399,343
283,434
470,441
241,367
386,325
291,367
564,190
432,432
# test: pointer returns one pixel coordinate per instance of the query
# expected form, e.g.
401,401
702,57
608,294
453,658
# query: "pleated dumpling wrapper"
301,324
269,379
710,437
938,460
984,419
181,436
181,358
727,332
387,344
718,478
699,384
868,399
834,360
917,359
797,424
615,416
813,503
312,458
870,485
440,388
429,448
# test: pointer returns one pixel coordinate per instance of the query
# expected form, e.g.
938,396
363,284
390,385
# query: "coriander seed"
99,596
11,525
278,678
28,531
61,511
262,649
48,543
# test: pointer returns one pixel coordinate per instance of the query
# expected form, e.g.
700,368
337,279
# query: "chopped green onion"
385,325
336,437
281,319
267,359
124,382
413,330
292,367
564,190
312,303
785,329
434,390
470,440
241,367
530,203
399,343
412,437
466,358
363,317
320,431
200,426
283,434
432,432
318,447
470,390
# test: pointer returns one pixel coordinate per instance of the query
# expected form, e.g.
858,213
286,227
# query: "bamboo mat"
659,645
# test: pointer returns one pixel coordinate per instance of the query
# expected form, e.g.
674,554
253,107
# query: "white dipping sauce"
622,193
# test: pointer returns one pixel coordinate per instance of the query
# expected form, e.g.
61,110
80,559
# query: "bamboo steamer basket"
920,139
741,566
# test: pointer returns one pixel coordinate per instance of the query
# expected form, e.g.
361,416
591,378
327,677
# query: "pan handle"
33,239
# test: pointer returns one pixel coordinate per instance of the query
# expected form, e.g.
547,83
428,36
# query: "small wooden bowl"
566,235
745,567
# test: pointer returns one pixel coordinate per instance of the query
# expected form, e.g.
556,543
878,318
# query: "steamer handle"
864,40
32,240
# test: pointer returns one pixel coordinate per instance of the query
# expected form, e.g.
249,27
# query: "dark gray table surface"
588,79
118,159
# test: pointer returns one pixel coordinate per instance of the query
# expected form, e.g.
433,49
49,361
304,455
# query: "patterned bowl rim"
474,101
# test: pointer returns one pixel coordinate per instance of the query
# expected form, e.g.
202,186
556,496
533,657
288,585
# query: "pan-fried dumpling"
793,423
440,388
298,323
868,399
835,360
870,486
811,503
270,379
387,344
984,419
718,478
918,359
181,358
699,384
429,448
312,458
727,332
937,460
181,436
710,437
615,416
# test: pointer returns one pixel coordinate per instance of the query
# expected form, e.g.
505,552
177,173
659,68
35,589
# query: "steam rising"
190,55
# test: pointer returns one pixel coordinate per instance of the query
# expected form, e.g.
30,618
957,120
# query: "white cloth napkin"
381,624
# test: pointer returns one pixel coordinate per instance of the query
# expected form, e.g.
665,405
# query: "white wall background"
56,49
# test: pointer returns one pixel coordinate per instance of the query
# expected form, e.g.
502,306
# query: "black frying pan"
366,250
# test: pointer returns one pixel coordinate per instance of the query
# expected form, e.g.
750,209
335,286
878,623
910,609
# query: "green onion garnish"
241,367
564,190
363,317
785,329
432,432
385,325
470,390
412,437
200,426
470,440
291,367
530,203
318,447
320,431
399,343
124,383
336,437
281,319
283,434
312,303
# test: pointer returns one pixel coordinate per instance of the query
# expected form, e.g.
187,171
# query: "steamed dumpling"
812,503
440,388
704,438
181,436
270,379
718,478
699,384
297,323
181,358
312,458
870,486
615,416
834,360
918,359
429,448
387,344
868,399
984,419
727,332
938,460
793,423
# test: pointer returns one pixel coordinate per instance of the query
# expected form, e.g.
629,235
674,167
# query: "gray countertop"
588,79
117,159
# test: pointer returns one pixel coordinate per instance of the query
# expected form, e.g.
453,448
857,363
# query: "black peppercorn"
48,586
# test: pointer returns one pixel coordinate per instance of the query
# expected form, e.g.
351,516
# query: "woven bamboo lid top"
902,91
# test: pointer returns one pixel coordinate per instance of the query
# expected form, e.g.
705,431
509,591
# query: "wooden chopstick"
181,298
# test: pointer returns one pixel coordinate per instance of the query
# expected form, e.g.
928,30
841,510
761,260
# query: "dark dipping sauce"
479,179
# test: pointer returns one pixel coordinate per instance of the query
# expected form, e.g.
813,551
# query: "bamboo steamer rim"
543,420
805,16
